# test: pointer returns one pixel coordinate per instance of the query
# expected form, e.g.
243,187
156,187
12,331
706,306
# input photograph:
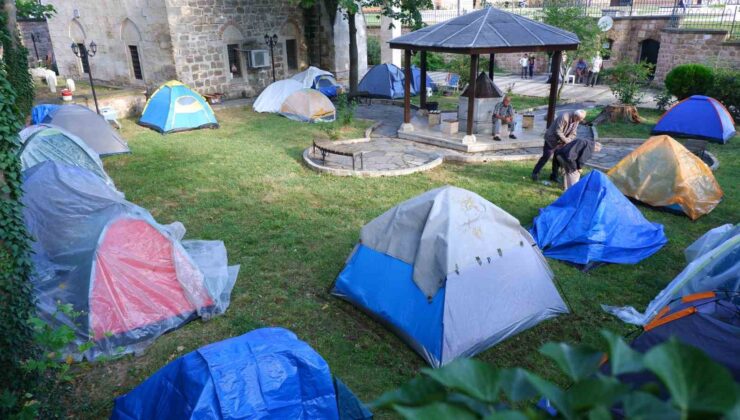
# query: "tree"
626,81
567,16
32,9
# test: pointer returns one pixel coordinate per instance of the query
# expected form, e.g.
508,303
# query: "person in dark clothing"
531,66
561,132
573,157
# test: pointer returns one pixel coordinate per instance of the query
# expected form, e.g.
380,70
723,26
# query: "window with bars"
84,58
291,50
235,65
135,61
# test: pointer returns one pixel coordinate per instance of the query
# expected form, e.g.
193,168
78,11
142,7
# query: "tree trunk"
619,113
353,71
11,23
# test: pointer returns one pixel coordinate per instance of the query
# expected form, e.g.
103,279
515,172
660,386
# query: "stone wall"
35,37
706,47
114,25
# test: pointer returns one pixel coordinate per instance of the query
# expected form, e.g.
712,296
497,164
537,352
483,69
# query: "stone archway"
131,38
295,51
76,32
234,62
649,50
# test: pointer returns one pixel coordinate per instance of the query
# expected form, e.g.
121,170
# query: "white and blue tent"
450,273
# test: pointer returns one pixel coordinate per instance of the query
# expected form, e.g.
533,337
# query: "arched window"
131,38
233,39
77,35
606,49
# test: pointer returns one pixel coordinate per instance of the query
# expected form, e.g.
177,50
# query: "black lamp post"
84,54
271,41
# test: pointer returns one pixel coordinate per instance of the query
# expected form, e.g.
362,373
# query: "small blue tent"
700,117
384,81
175,107
416,80
593,222
267,373
39,112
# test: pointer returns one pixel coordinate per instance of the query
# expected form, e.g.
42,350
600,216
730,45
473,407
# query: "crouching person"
573,157
503,113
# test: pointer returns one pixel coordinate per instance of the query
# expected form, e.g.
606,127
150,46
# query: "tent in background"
39,112
275,94
176,107
131,278
265,373
47,142
451,273
699,117
321,80
384,81
92,128
416,80
592,222
308,105
663,173
713,265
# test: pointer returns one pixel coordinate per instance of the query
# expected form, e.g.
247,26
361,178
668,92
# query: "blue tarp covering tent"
175,107
267,373
39,112
384,81
700,117
451,274
593,222
416,80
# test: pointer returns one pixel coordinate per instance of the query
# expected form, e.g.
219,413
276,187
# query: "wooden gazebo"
486,31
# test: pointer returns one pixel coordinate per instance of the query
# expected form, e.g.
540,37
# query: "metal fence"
683,14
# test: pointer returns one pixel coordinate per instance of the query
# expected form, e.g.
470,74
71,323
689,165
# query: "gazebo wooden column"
491,60
423,80
407,86
554,80
471,92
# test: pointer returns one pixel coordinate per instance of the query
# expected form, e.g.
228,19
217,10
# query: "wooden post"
423,93
407,86
471,91
554,80
491,60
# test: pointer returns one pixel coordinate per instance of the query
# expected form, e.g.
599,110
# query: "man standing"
503,112
561,132
531,66
595,69
524,64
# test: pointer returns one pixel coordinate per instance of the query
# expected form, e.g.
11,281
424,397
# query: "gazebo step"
484,143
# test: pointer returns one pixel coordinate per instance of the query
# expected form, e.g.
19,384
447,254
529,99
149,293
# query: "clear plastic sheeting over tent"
308,105
130,278
265,374
592,222
713,265
321,80
663,173
274,95
47,142
451,273
92,128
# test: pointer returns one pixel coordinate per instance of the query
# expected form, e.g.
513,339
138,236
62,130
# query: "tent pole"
554,79
407,87
471,91
423,93
491,59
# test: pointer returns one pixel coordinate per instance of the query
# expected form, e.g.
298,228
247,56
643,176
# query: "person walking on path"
503,112
593,75
561,132
531,66
524,63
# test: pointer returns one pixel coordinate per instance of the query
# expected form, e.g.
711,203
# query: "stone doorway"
649,50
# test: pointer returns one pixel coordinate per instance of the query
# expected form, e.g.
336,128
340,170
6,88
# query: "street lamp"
271,41
84,54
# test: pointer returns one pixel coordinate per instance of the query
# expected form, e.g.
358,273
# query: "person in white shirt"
524,64
593,75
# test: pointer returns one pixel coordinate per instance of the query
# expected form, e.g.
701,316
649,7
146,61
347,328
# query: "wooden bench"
327,147
697,147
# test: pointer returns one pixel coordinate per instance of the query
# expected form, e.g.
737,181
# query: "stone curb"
488,159
368,174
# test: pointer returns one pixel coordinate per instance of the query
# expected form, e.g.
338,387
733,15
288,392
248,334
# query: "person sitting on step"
503,112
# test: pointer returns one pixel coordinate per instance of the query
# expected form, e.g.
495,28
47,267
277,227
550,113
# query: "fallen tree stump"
617,113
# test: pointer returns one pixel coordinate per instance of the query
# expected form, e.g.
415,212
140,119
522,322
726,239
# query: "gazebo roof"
487,31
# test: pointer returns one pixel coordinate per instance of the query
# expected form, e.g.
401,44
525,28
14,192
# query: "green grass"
450,103
627,130
291,230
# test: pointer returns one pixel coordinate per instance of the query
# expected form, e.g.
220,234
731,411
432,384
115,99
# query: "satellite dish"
605,23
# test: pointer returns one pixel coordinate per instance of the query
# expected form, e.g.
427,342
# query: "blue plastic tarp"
266,373
593,222
39,112
700,117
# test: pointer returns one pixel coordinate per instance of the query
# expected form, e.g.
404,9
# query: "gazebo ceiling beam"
479,51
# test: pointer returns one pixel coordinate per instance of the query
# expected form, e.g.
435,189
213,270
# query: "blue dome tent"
416,80
700,117
592,223
451,274
267,373
175,107
384,81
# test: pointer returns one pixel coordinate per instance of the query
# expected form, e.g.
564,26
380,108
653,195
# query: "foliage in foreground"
627,81
469,389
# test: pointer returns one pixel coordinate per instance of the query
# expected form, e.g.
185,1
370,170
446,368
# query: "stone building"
215,46
36,39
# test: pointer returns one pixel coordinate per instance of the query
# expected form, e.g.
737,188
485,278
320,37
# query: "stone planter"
435,118
482,122
528,121
449,126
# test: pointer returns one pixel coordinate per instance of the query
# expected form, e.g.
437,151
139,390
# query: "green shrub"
689,79
664,100
373,51
626,80
345,109
435,61
726,89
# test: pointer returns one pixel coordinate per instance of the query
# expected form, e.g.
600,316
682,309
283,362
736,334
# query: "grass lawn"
291,230
449,103
627,130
